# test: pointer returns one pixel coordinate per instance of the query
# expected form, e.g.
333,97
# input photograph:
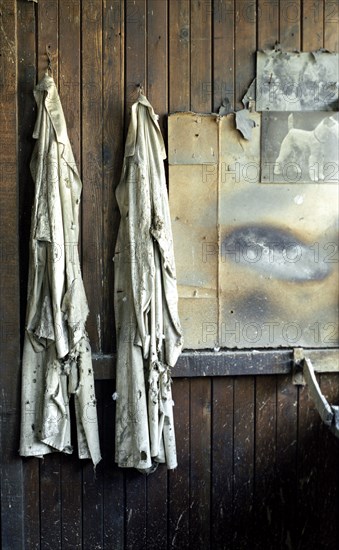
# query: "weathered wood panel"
256,467
11,476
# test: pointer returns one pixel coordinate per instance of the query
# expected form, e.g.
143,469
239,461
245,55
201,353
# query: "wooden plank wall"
256,467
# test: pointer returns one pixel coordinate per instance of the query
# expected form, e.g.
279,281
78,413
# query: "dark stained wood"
201,79
223,52
70,95
327,461
50,502
331,25
135,59
286,461
178,483
11,514
290,17
114,478
93,490
245,46
256,467
222,463
26,28
48,17
113,147
69,69
26,25
200,466
156,521
91,17
179,55
157,84
265,486
135,511
312,25
243,462
268,24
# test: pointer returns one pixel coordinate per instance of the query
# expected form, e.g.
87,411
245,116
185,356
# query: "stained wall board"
256,264
297,81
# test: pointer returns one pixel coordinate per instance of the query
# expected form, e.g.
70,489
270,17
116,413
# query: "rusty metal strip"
231,363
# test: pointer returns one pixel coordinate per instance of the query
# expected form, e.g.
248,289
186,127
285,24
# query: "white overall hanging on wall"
57,359
148,330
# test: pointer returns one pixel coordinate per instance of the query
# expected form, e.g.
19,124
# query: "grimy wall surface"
256,467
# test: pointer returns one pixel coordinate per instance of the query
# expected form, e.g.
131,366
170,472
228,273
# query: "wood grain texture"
92,195
222,463
179,479
223,53
243,462
11,477
331,25
113,146
290,17
256,468
179,55
200,466
265,485
201,79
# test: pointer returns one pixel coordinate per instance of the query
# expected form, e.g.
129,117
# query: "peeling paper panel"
288,81
274,247
194,199
192,139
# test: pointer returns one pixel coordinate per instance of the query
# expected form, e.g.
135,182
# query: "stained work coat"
148,329
57,355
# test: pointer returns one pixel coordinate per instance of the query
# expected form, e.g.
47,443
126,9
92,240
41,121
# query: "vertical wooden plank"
201,57
222,463
69,72
312,25
179,487
223,52
11,517
135,511
113,147
200,436
31,488
287,408
48,36
331,25
243,461
26,121
308,428
290,24
69,90
157,84
71,494
26,27
327,504
268,24
245,47
50,502
92,195
179,55
93,489
114,484
156,525
265,496
71,502
136,73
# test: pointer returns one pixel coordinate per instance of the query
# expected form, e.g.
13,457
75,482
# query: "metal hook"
141,89
49,59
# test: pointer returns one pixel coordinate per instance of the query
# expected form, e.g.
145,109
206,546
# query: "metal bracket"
303,373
